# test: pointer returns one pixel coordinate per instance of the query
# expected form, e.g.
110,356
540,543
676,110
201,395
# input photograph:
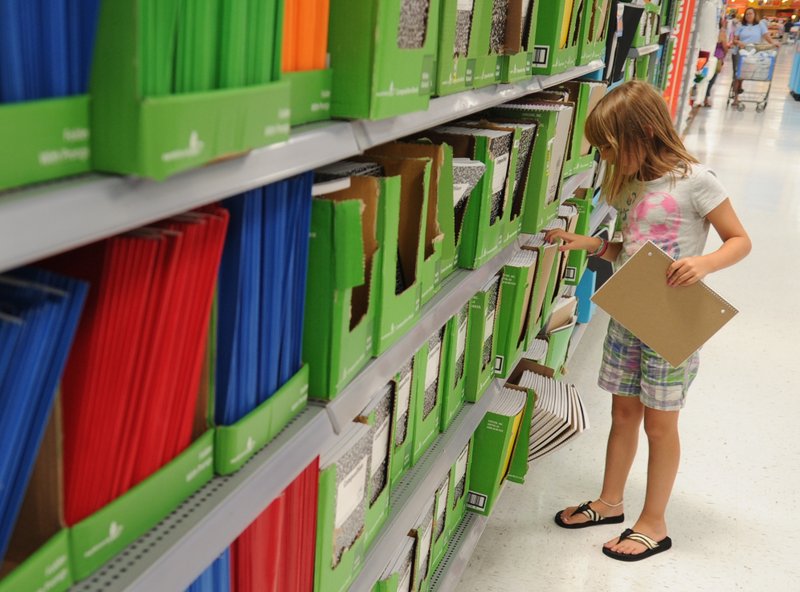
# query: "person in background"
720,52
752,31
664,195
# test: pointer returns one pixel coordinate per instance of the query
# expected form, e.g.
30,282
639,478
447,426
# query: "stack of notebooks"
305,35
216,577
131,387
467,174
45,48
205,45
39,314
413,23
261,295
559,414
276,552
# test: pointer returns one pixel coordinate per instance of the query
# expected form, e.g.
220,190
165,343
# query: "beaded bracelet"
601,250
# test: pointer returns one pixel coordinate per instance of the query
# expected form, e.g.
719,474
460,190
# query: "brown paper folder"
674,321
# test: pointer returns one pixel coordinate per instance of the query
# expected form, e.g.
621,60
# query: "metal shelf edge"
424,477
183,545
465,540
44,220
456,292
638,52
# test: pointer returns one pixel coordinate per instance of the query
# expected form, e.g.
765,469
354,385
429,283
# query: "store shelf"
456,292
47,219
638,52
664,30
571,184
172,555
465,539
444,109
416,489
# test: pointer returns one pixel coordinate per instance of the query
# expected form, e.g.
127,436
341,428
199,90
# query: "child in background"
664,195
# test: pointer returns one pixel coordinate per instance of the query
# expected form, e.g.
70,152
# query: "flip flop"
653,547
595,519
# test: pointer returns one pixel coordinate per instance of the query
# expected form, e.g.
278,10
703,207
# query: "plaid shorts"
632,369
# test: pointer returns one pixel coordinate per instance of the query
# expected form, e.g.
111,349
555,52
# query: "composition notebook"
675,322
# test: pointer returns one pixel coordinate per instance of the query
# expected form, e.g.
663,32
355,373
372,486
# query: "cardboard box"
429,392
341,507
576,260
343,272
439,250
481,341
514,312
310,95
584,96
594,28
460,25
543,286
549,154
383,59
158,136
50,140
455,366
518,469
235,444
399,574
495,443
378,416
401,232
518,64
459,489
403,421
483,230
423,535
39,550
557,35
440,538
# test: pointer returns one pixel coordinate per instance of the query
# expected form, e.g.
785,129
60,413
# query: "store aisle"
732,515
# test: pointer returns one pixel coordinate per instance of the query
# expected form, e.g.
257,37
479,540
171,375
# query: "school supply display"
559,414
673,321
39,314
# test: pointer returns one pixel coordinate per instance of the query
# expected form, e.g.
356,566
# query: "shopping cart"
755,68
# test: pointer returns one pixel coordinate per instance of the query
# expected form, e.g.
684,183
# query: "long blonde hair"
634,124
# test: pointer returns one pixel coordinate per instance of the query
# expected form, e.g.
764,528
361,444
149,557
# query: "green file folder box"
235,444
518,469
50,140
459,489
549,154
402,218
440,508
514,312
47,568
429,391
455,366
584,96
481,341
343,271
519,64
158,136
403,421
439,249
335,572
382,64
455,66
594,28
576,260
310,93
557,36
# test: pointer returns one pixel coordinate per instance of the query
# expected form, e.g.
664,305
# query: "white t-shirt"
671,211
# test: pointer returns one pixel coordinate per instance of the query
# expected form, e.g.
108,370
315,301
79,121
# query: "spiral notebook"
675,322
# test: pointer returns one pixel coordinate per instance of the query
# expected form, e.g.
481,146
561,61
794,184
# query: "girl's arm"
735,247
579,242
723,39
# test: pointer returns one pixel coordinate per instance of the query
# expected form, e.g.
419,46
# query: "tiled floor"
733,514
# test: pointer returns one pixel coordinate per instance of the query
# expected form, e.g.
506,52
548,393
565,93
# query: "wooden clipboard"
673,321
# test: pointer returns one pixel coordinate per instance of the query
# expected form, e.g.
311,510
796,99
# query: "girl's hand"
573,242
687,271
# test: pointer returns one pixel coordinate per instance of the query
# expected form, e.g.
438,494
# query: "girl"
752,31
662,194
